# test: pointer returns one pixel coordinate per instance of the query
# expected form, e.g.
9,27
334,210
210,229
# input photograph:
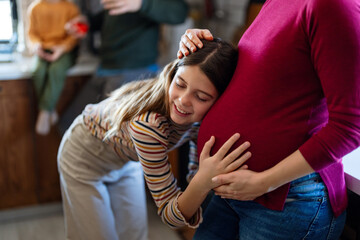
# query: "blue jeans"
307,214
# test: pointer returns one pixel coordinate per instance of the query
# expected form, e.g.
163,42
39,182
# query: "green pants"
49,79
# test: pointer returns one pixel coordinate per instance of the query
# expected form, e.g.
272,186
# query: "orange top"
47,22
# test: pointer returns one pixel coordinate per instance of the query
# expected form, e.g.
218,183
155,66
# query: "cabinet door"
17,171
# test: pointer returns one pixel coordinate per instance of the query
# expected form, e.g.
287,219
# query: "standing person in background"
129,45
102,188
54,49
295,96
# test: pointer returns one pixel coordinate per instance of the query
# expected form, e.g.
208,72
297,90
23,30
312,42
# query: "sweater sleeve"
70,42
150,141
32,31
165,11
333,30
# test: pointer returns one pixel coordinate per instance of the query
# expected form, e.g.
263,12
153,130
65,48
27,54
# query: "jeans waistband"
312,176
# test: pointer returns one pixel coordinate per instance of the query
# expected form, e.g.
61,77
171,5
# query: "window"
8,30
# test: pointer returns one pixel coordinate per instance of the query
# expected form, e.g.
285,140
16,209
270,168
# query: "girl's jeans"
307,215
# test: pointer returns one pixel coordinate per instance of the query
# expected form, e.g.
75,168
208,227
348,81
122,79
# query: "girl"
102,184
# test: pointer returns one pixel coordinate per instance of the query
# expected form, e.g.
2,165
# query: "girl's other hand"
221,162
190,41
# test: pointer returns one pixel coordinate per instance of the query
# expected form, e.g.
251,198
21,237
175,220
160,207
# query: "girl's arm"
210,166
177,209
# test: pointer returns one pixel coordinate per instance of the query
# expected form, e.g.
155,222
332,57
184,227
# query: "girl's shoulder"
152,118
153,121
150,127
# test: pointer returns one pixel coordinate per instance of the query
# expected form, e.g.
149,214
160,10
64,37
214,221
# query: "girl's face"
191,94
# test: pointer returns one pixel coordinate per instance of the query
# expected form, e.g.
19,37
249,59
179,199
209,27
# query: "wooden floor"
46,222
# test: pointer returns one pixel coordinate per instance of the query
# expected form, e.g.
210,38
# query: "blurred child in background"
55,55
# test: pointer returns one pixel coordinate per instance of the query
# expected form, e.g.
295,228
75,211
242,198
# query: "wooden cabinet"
18,185
28,172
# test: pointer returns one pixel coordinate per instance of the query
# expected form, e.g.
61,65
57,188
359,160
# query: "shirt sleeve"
165,11
150,142
333,31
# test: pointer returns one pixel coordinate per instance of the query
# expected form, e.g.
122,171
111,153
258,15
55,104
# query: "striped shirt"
148,138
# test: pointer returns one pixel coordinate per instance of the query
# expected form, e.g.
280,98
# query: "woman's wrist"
292,167
270,180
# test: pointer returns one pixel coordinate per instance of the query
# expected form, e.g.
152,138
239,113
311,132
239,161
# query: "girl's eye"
179,85
201,99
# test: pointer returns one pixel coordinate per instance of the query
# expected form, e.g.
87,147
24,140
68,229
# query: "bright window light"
6,29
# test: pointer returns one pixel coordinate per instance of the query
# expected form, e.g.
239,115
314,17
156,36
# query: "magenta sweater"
296,86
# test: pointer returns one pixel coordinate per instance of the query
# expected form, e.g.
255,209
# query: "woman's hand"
190,41
117,7
242,184
221,162
245,184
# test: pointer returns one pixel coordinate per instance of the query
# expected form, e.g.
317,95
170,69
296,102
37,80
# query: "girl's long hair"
217,60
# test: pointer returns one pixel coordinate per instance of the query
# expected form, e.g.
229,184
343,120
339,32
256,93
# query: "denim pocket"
308,188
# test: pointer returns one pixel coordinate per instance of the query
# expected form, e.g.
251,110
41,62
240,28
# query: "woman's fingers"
191,40
188,43
193,37
183,49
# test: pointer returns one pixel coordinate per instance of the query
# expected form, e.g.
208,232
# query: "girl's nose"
185,100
